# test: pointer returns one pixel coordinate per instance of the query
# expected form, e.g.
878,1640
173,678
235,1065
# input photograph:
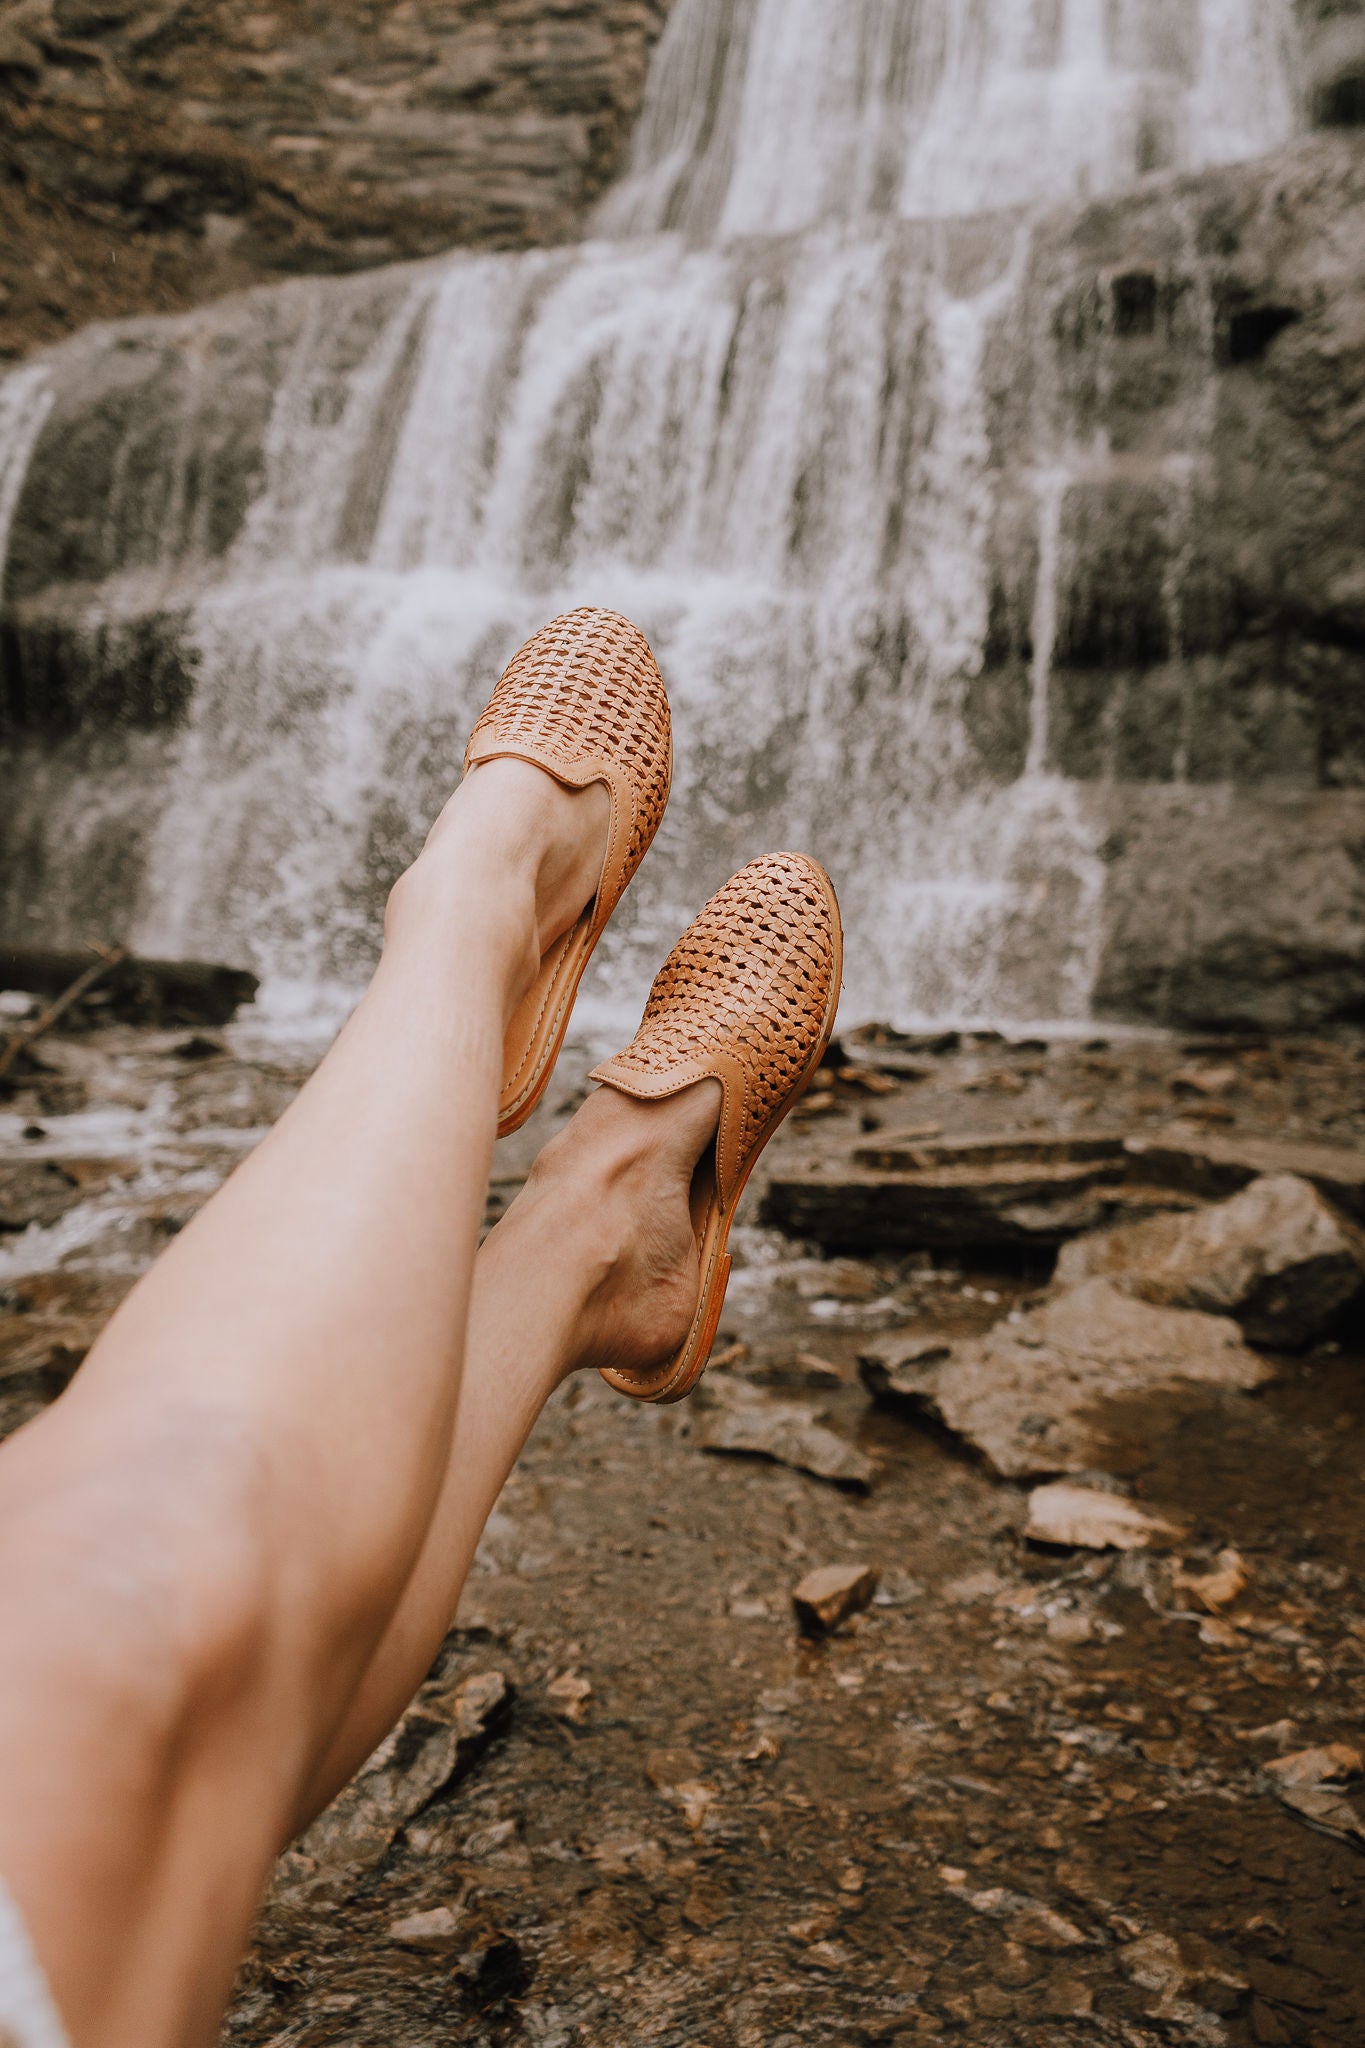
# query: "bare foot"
612,1195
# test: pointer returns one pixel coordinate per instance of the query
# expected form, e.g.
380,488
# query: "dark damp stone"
1341,103
59,675
1134,294
503,1972
1113,608
1250,330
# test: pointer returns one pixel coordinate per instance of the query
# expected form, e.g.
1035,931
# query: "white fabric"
28,2018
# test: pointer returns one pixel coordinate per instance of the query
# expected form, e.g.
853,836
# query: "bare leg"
595,1263
203,1542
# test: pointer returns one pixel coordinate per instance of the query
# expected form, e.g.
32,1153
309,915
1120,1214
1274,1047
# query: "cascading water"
753,413
769,116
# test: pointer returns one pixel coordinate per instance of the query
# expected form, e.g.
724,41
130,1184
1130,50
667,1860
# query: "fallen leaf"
1219,1635
1040,1927
815,1925
867,1078
666,1769
695,1800
829,1955
1204,1080
732,1354
1218,1588
764,1748
817,1367
1329,1812
1278,1733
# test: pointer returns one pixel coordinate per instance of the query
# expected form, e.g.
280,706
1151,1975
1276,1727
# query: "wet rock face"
1154,713
1334,40
155,155
1206,669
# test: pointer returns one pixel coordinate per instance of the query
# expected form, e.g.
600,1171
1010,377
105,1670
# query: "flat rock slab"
736,1420
1013,1189
136,991
1031,1395
913,1152
1084,1518
1278,1257
1023,1188
1213,1168
856,1207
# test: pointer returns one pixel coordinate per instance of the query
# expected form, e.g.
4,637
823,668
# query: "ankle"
607,1159
477,917
584,1192
510,820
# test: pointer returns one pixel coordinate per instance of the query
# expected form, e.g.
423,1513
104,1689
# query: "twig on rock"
27,1034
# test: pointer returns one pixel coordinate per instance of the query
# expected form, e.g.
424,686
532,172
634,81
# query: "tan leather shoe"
748,995
585,701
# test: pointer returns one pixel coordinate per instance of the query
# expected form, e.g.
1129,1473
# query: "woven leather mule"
583,700
748,995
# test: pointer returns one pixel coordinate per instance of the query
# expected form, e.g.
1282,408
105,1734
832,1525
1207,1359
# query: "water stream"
752,411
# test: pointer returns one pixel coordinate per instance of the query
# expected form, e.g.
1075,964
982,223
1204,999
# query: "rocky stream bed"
1065,1755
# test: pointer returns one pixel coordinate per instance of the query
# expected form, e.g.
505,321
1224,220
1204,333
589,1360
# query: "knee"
201,1544
148,1581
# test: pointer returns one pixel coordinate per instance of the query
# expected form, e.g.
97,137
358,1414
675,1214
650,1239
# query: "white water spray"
752,413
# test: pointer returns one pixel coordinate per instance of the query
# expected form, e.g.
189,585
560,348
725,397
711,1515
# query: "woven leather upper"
747,994
585,700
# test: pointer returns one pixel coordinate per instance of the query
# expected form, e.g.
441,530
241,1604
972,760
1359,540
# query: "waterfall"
25,400
758,412
770,116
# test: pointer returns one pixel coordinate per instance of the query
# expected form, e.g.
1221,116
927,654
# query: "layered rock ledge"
154,155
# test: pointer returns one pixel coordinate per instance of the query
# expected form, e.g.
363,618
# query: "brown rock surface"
832,1592
438,1740
1021,1188
1212,1167
1020,1763
1014,1189
37,1191
1276,1257
155,155
1206,671
736,1420
1205,674
1334,60
1083,1518
1037,1394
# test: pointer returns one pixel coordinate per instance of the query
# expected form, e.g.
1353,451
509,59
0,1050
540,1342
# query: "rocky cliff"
154,153
1207,660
